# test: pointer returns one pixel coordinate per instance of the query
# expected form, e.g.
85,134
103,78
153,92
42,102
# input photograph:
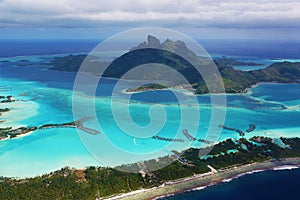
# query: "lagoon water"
46,97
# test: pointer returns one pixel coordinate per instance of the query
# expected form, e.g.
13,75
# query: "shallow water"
46,150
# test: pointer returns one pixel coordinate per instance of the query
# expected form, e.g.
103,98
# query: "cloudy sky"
258,19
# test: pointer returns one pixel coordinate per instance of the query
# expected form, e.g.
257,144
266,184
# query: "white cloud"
209,13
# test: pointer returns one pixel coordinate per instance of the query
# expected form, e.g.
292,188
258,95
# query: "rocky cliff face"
177,47
153,42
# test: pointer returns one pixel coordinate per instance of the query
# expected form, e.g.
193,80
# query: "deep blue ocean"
283,184
265,49
9,48
264,185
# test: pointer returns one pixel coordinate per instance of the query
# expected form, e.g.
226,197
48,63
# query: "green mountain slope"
167,53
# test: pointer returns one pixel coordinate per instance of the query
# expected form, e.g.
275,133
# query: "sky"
93,19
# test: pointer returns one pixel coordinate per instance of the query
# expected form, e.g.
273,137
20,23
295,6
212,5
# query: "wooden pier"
240,132
168,139
187,135
79,125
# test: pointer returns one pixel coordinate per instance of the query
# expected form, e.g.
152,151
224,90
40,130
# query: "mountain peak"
178,46
153,41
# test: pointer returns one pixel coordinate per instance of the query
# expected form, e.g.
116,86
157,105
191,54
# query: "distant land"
147,87
229,62
235,81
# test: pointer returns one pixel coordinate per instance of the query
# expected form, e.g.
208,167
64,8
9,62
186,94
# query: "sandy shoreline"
24,134
18,136
208,179
5,138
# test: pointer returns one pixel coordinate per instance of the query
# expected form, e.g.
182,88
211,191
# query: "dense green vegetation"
228,62
4,110
253,153
99,182
145,87
12,133
72,63
62,184
68,124
238,81
7,99
68,63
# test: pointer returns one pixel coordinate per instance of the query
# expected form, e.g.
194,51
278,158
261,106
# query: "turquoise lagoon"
46,97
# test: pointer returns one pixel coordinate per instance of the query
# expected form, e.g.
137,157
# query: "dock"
191,138
182,160
205,141
240,132
79,125
251,128
168,139
187,135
